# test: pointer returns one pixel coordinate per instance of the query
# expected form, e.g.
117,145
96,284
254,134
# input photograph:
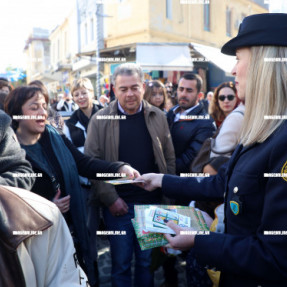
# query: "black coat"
78,125
255,204
47,186
188,136
86,165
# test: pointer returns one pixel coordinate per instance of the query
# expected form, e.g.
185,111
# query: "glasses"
229,98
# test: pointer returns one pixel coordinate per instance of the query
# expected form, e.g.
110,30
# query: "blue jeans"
122,248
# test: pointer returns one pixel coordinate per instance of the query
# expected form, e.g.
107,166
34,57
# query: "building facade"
37,53
177,22
164,36
63,50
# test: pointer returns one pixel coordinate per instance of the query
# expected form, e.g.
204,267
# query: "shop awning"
214,55
83,63
164,56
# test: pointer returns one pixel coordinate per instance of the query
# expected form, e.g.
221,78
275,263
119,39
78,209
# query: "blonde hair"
82,83
266,93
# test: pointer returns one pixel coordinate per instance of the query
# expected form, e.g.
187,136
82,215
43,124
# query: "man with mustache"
188,122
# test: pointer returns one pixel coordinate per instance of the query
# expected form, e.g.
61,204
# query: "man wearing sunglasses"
189,123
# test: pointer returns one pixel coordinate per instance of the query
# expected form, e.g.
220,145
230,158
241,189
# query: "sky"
278,6
17,19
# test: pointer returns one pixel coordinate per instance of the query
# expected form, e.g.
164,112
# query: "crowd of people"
157,133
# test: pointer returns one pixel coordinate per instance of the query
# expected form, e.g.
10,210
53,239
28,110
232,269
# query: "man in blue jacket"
189,124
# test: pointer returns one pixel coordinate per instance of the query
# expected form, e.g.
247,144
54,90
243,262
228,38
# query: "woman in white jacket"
228,116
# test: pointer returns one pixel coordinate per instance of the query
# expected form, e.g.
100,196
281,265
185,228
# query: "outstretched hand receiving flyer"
150,181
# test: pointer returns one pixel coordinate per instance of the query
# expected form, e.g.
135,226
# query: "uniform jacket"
255,206
103,142
27,259
12,157
188,136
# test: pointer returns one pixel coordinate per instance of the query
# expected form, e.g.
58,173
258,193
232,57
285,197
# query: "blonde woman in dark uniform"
253,249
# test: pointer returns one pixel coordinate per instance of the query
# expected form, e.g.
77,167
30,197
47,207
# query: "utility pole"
99,44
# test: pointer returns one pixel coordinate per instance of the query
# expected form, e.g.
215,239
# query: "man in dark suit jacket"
188,122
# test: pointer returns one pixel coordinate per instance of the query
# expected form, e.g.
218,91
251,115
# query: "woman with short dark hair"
57,164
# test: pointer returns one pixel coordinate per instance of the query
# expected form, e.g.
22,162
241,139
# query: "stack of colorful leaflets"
150,239
156,219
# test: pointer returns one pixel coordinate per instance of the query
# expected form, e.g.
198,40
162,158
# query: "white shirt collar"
123,111
184,113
